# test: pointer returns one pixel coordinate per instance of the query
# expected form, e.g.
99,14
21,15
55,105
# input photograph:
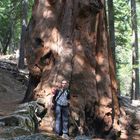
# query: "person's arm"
54,97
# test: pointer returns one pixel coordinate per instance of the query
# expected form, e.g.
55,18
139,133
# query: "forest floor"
13,86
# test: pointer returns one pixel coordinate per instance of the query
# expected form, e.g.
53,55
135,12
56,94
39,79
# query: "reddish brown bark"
74,33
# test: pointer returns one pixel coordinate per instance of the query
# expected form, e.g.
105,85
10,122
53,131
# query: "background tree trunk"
135,53
68,39
7,39
111,27
24,11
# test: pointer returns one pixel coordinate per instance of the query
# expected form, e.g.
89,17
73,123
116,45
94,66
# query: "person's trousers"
62,119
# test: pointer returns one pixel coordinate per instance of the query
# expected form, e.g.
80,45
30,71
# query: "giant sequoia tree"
67,39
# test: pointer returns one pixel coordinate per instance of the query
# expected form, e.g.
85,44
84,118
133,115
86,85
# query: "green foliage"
122,11
9,16
10,21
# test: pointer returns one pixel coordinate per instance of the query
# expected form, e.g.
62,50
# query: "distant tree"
7,39
135,53
24,16
111,26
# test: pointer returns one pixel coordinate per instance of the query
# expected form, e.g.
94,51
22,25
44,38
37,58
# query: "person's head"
64,84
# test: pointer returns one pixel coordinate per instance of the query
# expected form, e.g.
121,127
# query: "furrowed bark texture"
70,37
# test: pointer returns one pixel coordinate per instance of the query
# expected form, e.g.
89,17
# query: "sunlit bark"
68,39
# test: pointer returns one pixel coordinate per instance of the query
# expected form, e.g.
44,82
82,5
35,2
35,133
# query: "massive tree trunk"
67,39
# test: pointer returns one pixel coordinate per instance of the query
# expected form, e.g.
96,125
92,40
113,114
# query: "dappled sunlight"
47,3
55,35
98,78
80,56
57,41
79,48
75,115
105,112
105,101
100,58
48,14
80,60
67,67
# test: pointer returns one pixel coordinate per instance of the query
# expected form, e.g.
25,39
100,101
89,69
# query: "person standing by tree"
61,99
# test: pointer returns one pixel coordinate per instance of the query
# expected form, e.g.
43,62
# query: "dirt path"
11,92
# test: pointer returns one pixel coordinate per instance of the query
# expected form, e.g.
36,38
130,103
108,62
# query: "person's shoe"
66,137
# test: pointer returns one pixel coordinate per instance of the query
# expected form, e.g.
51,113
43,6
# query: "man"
62,110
